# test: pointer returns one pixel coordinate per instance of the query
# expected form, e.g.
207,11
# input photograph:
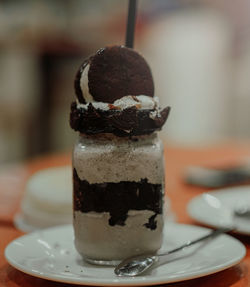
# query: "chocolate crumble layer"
127,122
118,198
152,223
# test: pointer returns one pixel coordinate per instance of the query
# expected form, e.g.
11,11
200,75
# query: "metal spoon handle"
212,234
136,265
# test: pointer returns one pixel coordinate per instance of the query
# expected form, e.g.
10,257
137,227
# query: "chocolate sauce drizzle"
118,198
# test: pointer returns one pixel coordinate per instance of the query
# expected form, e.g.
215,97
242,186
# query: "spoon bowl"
138,265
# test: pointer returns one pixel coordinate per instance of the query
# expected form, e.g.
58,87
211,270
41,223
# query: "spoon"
137,265
242,211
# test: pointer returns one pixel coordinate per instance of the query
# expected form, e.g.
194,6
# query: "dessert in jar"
118,168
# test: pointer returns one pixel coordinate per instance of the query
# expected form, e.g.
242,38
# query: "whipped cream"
84,84
140,102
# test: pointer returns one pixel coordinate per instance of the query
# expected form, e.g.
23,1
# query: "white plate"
50,254
217,208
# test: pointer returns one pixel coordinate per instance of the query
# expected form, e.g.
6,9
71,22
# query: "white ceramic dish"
216,208
47,200
50,254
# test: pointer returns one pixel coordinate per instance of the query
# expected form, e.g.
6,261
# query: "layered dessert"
118,169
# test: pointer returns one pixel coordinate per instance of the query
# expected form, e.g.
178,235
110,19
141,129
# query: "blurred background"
199,53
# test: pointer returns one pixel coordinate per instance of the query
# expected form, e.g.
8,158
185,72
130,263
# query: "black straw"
131,23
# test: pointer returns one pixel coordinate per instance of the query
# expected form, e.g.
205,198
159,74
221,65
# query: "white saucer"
47,200
50,254
216,208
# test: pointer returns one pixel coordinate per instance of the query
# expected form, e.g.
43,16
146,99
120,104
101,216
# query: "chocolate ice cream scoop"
112,73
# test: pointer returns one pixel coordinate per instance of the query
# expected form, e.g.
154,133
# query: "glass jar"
118,196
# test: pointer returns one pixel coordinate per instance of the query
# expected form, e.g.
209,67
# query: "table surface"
12,184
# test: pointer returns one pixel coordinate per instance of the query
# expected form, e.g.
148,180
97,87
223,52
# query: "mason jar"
118,195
